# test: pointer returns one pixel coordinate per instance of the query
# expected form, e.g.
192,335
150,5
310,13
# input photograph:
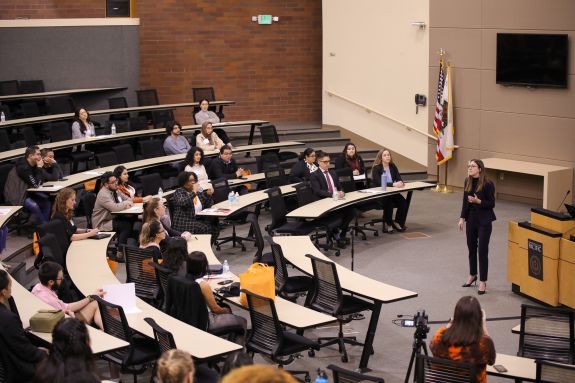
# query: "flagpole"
439,188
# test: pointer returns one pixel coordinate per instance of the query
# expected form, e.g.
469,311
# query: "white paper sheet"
122,294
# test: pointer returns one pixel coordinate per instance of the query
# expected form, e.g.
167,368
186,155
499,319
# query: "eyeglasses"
324,162
472,166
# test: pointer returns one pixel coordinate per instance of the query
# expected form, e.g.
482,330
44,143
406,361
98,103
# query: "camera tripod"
419,337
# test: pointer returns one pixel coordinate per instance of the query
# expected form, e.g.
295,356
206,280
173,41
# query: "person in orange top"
465,338
125,190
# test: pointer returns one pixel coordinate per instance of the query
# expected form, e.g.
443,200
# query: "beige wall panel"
455,13
517,184
489,47
540,136
457,169
467,128
529,14
463,46
541,101
466,88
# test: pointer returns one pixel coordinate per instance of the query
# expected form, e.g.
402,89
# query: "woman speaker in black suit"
384,166
477,213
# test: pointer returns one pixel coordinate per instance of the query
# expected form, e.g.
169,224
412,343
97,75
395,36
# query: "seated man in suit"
325,183
19,354
225,167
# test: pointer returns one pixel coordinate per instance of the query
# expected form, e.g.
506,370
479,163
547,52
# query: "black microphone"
564,198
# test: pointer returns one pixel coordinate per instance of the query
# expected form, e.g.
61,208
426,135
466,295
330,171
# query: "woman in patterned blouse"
465,338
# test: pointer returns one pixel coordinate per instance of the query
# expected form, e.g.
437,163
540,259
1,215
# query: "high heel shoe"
388,229
472,281
481,292
398,227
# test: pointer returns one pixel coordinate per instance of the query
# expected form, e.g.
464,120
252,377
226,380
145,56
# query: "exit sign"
264,19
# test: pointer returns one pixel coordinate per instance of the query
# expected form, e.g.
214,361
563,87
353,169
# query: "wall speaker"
118,8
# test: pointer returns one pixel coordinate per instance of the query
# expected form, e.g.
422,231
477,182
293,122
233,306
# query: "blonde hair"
149,231
258,373
378,160
174,365
204,128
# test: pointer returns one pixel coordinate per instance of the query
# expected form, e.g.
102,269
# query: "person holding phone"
465,338
477,215
63,211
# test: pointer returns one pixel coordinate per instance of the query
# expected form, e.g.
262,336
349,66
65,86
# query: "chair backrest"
117,103
29,136
163,273
184,301
277,208
106,159
4,171
114,320
304,193
4,140
164,337
32,86
29,109
327,295
60,131
138,123
147,97
275,177
88,202
60,105
341,375
280,268
151,183
345,178
8,88
122,126
438,370
203,93
151,148
139,271
124,153
56,228
547,333
221,190
14,189
266,336
268,160
257,233
50,251
269,134
553,372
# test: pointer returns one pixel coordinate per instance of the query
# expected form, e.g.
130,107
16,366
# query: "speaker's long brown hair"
480,181
467,324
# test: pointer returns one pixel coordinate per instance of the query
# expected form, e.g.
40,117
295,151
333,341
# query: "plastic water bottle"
160,193
236,199
113,129
383,181
334,195
231,197
321,376
2,118
226,267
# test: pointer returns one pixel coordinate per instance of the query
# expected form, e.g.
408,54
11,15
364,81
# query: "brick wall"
273,72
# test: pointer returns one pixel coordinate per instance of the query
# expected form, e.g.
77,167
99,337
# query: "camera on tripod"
419,320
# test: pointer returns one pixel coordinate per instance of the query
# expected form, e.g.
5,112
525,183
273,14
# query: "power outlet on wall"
501,176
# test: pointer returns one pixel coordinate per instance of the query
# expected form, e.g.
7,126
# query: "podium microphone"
564,198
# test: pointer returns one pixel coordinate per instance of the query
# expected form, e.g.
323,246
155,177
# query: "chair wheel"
243,248
344,358
363,237
311,353
376,233
337,253
217,248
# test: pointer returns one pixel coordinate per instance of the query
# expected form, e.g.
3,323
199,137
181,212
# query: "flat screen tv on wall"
539,60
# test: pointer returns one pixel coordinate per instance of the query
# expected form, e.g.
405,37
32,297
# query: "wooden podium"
541,258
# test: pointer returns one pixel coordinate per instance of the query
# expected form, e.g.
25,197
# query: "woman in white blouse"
206,115
82,126
208,139
195,164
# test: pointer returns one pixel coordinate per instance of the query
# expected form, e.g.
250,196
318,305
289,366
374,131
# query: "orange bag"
258,279
90,185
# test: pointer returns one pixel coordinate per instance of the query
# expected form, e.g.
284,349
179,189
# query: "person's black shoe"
341,243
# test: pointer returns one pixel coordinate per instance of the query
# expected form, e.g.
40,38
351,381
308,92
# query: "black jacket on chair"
319,184
19,354
184,301
377,170
485,208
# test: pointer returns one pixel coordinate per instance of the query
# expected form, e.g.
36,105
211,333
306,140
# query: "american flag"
443,121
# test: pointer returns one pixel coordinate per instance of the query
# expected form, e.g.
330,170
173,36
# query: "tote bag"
258,279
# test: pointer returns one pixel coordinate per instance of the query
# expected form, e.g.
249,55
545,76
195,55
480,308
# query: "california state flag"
443,121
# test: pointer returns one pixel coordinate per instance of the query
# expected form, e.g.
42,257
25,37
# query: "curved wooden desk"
28,305
517,367
295,249
88,268
54,93
74,179
7,212
289,313
16,153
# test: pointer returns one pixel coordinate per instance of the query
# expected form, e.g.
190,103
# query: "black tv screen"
532,59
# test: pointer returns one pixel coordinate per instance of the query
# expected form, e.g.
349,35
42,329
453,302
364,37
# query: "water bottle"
231,199
334,195
236,199
321,376
2,118
383,181
226,267
160,193
113,128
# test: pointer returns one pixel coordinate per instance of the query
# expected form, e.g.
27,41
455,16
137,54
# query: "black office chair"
270,135
60,105
547,334
221,192
61,131
208,94
4,141
553,372
275,177
341,375
438,370
106,159
8,88
29,109
50,250
142,351
137,123
279,224
148,97
288,287
151,148
347,183
88,201
124,153
260,244
29,135
122,126
151,183
268,336
32,86
118,103
163,273
141,273
55,228
327,297
269,160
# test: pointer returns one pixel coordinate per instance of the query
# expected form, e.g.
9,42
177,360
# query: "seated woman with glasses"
306,165
189,199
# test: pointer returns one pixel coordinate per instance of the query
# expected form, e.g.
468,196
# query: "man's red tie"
328,179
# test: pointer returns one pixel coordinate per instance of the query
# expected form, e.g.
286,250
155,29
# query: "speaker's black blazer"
485,208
